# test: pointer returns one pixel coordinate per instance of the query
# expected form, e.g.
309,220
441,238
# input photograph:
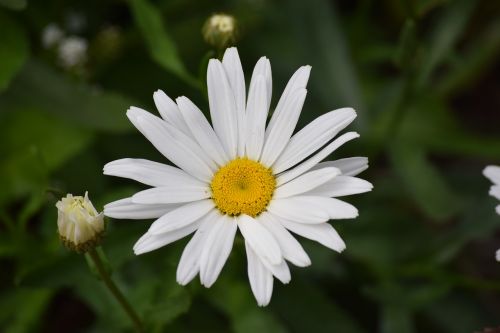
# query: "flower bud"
220,31
79,224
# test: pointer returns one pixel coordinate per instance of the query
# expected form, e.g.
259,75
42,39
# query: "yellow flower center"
243,186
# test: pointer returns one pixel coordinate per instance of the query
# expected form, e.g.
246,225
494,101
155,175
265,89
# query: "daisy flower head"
240,173
492,172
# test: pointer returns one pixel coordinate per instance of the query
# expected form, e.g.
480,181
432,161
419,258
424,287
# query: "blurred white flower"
51,35
241,175
79,224
72,51
492,172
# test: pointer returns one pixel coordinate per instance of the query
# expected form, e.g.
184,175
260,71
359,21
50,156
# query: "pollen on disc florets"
243,186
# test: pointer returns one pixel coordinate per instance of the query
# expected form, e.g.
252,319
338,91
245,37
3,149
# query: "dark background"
424,79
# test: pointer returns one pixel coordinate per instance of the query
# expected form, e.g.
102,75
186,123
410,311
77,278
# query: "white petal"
202,131
175,193
312,161
313,137
169,111
312,209
280,271
285,115
495,191
322,233
350,166
234,70
290,247
341,186
222,107
498,209
126,209
497,255
261,279
189,265
263,67
277,136
261,240
216,250
492,172
256,115
298,210
181,216
148,172
150,242
306,182
173,144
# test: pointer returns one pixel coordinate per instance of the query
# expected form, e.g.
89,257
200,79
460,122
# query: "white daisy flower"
492,172
241,174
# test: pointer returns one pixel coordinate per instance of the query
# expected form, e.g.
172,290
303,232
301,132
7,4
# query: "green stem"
115,291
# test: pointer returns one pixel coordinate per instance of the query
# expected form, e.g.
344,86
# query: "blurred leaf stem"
113,288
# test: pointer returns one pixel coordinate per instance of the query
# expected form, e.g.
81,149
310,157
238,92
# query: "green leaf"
14,4
56,94
22,309
407,45
46,143
328,42
424,182
162,47
14,50
444,36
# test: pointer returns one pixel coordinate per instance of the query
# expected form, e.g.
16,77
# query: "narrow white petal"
263,68
277,137
222,107
280,271
492,172
261,279
181,217
175,193
312,161
297,209
312,209
351,166
322,233
173,144
169,111
497,255
126,209
313,137
202,131
341,186
189,264
234,70
306,182
498,209
495,191
150,242
285,116
290,247
216,250
260,239
256,115
148,172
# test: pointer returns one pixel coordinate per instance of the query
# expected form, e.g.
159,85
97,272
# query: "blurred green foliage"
423,76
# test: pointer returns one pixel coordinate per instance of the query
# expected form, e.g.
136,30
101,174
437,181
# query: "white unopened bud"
79,224
220,31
